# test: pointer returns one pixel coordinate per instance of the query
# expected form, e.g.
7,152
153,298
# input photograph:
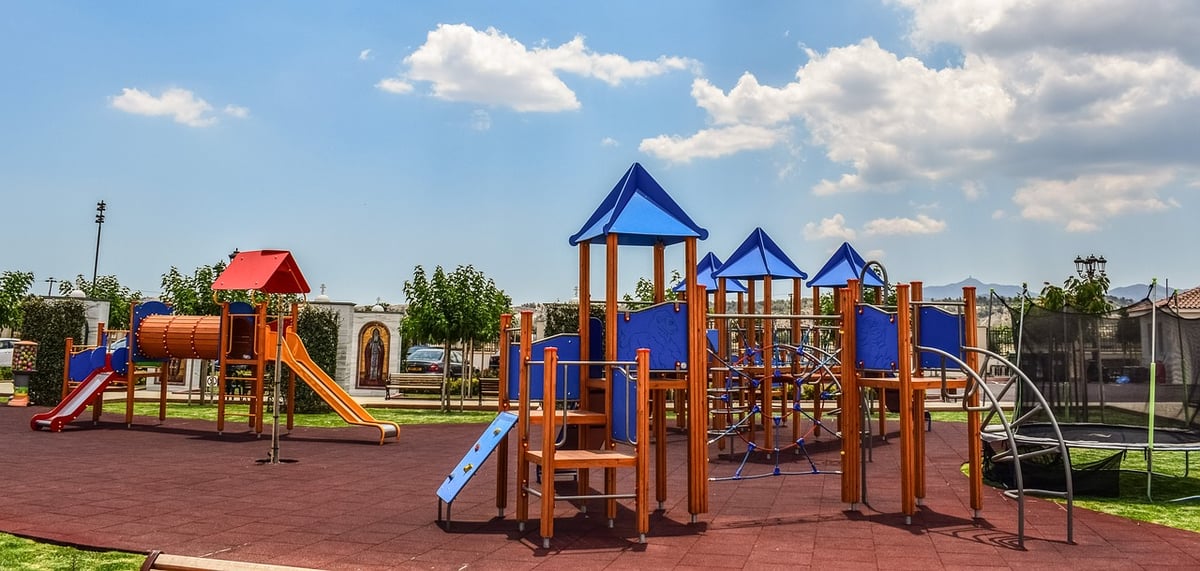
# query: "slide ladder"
70,408
296,357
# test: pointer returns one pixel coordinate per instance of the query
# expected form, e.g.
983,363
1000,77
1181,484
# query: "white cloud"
489,67
712,143
1045,90
922,224
832,227
609,142
236,111
364,55
999,214
481,120
972,190
180,104
1083,203
393,85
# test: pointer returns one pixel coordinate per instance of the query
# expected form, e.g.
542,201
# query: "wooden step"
586,459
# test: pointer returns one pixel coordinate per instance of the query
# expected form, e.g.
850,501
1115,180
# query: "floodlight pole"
100,208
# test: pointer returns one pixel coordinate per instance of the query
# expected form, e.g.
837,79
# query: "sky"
996,139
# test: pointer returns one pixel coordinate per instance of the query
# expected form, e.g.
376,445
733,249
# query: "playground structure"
243,340
584,379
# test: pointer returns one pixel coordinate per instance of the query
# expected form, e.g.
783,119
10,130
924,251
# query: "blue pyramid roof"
845,264
759,257
640,212
704,275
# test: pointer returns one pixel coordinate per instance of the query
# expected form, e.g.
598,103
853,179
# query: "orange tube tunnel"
180,336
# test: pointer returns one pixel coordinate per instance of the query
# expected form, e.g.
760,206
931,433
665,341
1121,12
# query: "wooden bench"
411,382
489,386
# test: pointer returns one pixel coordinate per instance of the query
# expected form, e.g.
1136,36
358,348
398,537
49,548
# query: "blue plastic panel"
943,330
877,339
476,456
568,376
624,406
661,328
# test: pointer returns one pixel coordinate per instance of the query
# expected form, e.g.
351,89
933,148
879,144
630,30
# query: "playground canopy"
640,212
704,275
844,264
759,257
267,271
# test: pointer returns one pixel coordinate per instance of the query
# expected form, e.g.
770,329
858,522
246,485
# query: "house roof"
1184,302
268,271
759,257
640,212
843,265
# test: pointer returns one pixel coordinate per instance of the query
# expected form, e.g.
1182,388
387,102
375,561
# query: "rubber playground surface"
348,503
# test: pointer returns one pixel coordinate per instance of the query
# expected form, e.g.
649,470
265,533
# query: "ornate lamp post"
1089,267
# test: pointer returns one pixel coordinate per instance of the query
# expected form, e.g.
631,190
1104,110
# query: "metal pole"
278,376
100,208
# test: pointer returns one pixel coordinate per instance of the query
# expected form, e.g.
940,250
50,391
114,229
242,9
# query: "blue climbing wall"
877,339
476,456
661,328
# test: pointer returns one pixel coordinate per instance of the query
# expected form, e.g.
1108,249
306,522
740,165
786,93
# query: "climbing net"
800,371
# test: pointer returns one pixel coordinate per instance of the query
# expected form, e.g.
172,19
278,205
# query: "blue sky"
953,138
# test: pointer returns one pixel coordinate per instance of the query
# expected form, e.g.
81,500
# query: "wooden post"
974,444
523,421
610,354
697,393
768,379
642,478
907,438
851,416
549,432
583,476
502,406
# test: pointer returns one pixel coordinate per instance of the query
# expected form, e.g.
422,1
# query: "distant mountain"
1138,292
954,291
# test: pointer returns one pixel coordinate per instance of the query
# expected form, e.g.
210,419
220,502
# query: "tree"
14,286
193,295
643,291
319,330
106,288
461,307
1088,295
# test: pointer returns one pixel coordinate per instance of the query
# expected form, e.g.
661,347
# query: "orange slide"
296,357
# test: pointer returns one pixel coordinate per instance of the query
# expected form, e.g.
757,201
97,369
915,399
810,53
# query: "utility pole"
50,290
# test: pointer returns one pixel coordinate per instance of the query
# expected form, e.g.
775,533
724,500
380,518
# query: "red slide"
73,405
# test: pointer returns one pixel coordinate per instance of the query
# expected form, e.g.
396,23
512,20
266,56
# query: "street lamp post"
100,208
1088,267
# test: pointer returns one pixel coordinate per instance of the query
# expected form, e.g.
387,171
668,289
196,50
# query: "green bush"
50,323
319,330
5,373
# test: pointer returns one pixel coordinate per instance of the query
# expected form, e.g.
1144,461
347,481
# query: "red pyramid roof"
268,271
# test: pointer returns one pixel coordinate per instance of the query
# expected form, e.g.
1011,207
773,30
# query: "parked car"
6,350
430,360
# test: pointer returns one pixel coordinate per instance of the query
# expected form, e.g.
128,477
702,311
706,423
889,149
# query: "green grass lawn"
18,553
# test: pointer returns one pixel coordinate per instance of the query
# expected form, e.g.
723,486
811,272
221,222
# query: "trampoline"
1110,436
